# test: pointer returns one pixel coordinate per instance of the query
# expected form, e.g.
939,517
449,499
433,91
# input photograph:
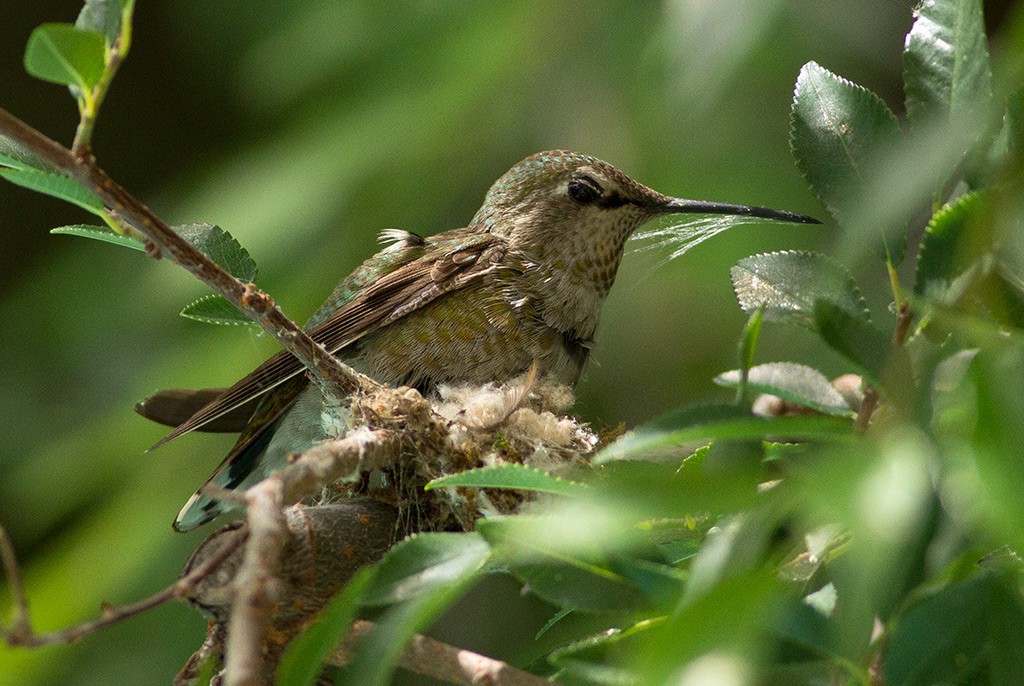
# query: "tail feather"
241,471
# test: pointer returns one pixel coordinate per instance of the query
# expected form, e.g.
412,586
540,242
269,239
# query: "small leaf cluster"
85,57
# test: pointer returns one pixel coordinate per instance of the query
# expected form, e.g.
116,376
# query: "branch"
444,662
323,548
261,578
20,632
114,59
362,449
904,317
334,377
256,587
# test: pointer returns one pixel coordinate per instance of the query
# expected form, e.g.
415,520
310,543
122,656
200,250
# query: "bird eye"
584,190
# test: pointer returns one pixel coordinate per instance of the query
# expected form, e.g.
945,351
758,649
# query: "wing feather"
405,289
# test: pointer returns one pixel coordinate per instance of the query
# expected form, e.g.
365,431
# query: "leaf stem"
894,284
89,103
747,347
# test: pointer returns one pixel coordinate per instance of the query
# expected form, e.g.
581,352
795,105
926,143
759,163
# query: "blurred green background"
306,128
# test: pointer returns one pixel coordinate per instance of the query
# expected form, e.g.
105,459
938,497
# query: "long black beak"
679,205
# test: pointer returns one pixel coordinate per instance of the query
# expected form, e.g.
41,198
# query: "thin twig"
362,449
867,408
903,319
336,378
254,601
20,633
115,58
444,662
21,625
255,587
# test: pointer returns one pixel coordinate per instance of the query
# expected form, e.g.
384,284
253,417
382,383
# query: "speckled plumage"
523,282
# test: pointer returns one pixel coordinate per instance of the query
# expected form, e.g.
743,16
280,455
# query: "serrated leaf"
837,129
787,284
56,185
101,16
944,249
516,476
304,658
221,247
214,309
795,382
710,422
65,54
424,562
99,233
946,65
854,338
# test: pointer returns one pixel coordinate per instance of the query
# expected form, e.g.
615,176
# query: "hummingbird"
520,286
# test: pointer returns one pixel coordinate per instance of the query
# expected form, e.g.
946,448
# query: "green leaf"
857,340
802,625
838,128
944,251
747,347
709,422
728,615
589,658
946,65
941,639
214,309
854,338
221,247
13,162
16,157
56,185
651,490
998,434
515,476
570,578
787,284
376,654
423,562
101,16
64,54
99,233
304,658
795,382
548,625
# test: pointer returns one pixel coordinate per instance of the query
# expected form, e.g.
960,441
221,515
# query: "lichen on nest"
461,427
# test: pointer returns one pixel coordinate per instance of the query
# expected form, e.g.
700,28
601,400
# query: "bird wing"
408,287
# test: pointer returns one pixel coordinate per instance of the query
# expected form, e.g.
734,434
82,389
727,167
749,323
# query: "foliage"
877,544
